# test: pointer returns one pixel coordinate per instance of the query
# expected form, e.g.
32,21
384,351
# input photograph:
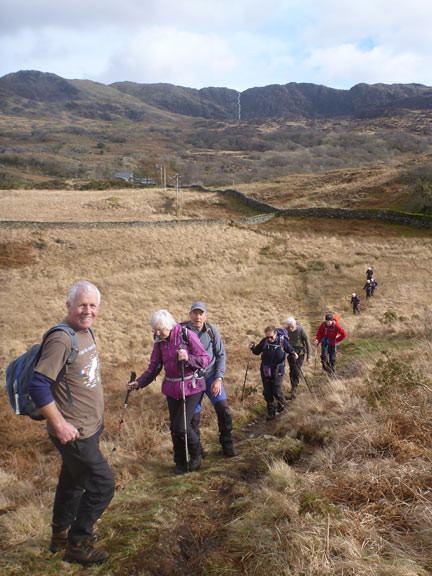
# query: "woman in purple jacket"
180,353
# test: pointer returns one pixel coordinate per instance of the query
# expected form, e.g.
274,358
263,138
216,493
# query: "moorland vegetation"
58,133
338,484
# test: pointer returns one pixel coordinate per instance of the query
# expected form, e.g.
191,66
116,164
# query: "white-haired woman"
180,353
300,342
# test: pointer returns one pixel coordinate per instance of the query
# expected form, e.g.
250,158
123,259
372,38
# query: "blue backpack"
19,374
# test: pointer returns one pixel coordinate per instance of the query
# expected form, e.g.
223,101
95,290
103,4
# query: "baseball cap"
198,306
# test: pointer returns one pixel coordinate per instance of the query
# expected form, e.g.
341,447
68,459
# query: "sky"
236,44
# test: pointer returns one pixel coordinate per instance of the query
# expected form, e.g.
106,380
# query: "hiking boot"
326,368
84,553
59,541
181,468
270,416
281,407
195,463
229,450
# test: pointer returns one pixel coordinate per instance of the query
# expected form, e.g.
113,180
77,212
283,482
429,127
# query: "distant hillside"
212,103
314,101
33,92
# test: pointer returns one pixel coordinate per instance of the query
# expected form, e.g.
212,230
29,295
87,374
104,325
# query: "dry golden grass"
121,205
358,500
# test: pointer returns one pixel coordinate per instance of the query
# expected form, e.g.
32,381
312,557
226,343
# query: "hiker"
273,347
74,410
369,273
330,334
300,342
212,343
373,284
368,288
180,353
355,301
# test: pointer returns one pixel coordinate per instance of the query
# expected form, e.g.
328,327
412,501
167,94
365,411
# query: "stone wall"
267,212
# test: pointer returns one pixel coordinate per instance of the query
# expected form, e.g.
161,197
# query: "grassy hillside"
91,140
339,484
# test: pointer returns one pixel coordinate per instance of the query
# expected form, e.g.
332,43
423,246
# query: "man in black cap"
212,343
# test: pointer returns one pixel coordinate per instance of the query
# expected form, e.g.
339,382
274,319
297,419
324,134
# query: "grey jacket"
299,341
214,348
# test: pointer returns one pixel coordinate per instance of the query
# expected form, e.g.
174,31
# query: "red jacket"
334,333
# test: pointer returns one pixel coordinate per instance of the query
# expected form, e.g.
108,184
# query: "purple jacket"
165,354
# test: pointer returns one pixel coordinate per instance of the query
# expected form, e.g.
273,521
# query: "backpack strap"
184,335
210,331
72,355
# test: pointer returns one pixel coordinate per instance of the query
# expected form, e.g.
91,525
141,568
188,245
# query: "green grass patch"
368,347
311,503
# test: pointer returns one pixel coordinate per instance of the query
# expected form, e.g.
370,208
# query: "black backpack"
19,374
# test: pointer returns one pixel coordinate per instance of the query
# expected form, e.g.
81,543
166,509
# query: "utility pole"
177,195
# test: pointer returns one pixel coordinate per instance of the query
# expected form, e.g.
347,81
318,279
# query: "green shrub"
317,505
392,375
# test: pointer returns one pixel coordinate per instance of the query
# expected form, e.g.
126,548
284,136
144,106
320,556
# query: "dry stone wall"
266,213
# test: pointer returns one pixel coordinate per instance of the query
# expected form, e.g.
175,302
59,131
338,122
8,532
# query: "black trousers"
175,408
273,389
85,487
295,367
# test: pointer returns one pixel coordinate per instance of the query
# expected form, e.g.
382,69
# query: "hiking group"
370,286
65,388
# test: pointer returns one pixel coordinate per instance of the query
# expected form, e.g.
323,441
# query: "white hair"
162,319
290,320
85,286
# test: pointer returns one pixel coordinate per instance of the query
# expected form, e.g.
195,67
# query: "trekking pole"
316,355
305,379
244,383
184,413
308,384
254,388
132,379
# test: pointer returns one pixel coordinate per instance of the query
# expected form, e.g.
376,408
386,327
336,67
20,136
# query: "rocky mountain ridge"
32,92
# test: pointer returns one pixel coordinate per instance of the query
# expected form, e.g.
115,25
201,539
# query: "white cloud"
200,15
221,43
346,65
168,55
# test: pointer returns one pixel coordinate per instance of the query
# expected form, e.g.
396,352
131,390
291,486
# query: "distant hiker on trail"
355,301
374,284
300,342
368,288
212,343
330,334
273,347
74,413
369,273
180,353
